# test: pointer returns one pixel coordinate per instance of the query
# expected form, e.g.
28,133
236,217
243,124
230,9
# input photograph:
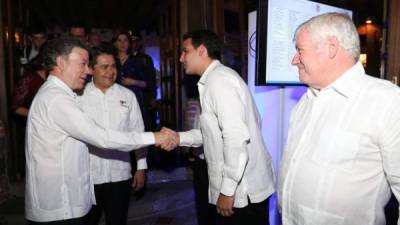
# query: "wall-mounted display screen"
277,21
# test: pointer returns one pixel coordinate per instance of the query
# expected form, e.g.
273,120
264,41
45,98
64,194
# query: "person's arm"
127,81
68,118
22,111
191,138
229,105
230,108
20,96
136,124
137,74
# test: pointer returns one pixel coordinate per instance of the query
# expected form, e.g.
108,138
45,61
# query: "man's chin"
188,72
79,88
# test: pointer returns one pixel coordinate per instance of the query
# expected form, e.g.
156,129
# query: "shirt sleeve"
68,118
141,164
191,138
21,93
229,104
136,124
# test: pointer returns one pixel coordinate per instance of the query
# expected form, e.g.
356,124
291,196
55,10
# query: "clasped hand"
167,139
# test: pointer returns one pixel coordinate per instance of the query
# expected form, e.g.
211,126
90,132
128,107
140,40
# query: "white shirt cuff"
185,139
141,164
148,138
228,186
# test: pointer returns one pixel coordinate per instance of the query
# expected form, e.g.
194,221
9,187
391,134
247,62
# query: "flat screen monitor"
277,21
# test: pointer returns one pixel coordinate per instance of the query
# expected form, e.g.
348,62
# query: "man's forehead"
81,52
104,57
105,60
187,44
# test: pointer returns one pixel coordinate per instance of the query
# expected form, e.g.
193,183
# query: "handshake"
167,139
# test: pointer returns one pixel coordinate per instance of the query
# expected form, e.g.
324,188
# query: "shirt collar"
213,64
346,84
349,82
57,81
90,87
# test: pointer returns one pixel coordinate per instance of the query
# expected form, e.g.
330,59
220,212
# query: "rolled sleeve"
141,164
192,138
230,108
68,118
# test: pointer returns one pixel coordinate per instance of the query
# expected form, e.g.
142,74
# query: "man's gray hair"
337,25
59,47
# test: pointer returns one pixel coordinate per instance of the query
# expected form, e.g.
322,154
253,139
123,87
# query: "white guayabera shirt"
343,153
230,129
58,185
116,109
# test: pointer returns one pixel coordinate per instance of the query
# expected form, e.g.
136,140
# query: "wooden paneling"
393,63
171,110
4,125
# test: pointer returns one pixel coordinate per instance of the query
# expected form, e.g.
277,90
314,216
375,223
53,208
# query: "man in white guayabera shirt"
112,106
58,185
343,150
239,167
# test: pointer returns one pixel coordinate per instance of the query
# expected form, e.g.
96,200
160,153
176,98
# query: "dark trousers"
113,200
252,214
204,210
74,221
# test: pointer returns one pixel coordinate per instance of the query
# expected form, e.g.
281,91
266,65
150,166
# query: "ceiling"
141,14
132,14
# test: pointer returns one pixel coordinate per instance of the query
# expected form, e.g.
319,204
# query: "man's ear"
60,62
333,47
202,50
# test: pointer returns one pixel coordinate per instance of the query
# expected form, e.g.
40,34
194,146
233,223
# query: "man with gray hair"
58,185
343,150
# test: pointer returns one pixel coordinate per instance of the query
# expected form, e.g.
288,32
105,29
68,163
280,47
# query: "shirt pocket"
336,148
48,188
119,114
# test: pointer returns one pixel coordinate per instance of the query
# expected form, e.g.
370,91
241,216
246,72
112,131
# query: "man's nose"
181,58
295,59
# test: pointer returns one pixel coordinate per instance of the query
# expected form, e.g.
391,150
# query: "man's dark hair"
95,52
59,47
79,24
207,38
135,35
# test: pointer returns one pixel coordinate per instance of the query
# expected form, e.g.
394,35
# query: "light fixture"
368,20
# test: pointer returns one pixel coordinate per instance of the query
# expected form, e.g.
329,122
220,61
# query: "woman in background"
130,69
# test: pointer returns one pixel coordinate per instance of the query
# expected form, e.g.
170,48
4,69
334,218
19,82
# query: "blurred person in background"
150,91
130,74
34,76
94,39
37,37
79,30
